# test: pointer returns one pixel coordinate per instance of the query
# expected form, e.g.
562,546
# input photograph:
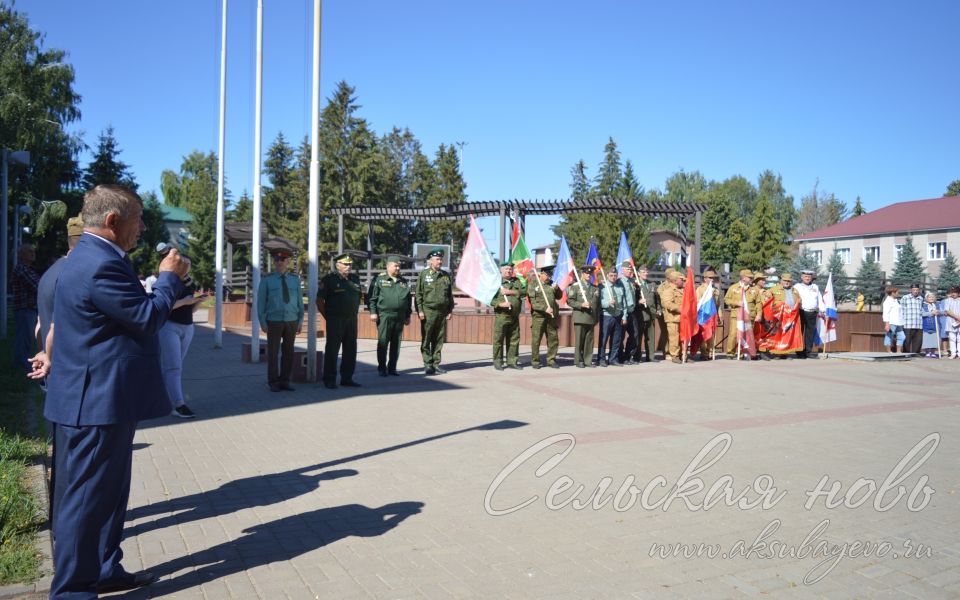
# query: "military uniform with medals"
389,301
584,318
541,323
434,297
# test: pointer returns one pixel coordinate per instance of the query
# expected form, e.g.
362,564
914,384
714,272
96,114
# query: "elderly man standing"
733,300
338,300
24,281
631,326
672,298
544,318
280,310
105,378
506,322
584,299
434,298
811,304
389,305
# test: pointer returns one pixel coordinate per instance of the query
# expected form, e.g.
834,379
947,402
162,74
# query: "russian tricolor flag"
827,322
565,272
707,313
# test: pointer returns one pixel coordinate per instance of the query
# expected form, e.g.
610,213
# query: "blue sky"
860,95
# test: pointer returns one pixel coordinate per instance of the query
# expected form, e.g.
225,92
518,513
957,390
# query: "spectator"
175,337
910,307
951,309
930,312
892,320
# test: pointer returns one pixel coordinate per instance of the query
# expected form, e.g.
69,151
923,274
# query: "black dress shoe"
439,370
329,385
428,370
350,383
393,372
275,387
382,373
286,387
126,581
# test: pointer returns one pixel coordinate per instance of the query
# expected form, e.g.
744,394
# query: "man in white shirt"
893,320
811,303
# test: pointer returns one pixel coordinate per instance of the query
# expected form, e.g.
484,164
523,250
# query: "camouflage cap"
786,277
74,226
746,273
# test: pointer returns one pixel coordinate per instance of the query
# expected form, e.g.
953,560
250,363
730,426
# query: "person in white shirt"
811,304
893,320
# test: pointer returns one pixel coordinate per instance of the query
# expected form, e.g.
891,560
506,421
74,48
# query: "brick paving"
379,492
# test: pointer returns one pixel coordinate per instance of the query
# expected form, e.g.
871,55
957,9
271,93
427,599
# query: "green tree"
953,189
447,187
145,258
841,283
580,183
686,187
765,239
805,261
908,268
719,244
949,274
629,186
106,166
858,209
869,281
609,174
770,186
402,159
283,207
37,102
241,212
195,190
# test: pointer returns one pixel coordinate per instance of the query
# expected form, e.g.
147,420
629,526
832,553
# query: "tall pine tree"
765,241
106,166
841,283
949,274
858,208
908,269
869,282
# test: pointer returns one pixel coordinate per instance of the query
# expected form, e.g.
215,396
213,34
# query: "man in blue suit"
105,377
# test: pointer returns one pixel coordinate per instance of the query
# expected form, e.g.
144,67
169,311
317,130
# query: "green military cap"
393,258
343,258
746,273
710,273
280,253
786,277
438,252
74,226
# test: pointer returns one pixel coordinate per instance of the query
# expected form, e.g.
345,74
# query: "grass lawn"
20,446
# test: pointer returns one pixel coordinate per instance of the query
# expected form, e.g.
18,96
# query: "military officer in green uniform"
545,316
338,300
584,299
389,305
648,311
280,311
434,297
506,322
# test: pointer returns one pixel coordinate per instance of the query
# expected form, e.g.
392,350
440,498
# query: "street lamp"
20,157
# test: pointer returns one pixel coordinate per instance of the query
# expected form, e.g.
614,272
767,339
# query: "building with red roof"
934,226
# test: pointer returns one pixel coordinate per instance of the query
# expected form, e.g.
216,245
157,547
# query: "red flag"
689,328
788,336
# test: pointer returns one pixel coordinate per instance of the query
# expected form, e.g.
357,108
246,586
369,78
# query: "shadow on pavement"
280,540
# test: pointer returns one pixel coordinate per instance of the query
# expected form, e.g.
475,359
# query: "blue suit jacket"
106,354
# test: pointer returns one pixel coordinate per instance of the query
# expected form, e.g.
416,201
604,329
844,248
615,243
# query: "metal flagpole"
314,206
257,206
218,256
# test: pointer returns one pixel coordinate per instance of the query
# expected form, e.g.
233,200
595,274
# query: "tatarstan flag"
520,256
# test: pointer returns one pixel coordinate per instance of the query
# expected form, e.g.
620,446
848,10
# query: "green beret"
438,252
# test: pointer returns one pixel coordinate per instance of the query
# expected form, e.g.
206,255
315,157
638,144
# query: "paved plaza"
698,481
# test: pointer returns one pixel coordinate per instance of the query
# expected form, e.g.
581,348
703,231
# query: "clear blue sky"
862,95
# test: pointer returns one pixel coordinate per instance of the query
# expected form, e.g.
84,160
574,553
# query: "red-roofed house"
933,224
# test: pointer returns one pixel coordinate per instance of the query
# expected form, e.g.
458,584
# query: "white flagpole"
218,254
257,206
314,206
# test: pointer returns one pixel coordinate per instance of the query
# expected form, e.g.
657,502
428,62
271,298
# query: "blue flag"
593,258
624,254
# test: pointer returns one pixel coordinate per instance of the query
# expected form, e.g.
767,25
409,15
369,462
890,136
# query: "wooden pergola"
684,212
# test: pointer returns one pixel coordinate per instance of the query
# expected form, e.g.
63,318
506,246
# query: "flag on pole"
593,258
477,275
744,326
707,313
689,326
624,254
827,321
565,272
520,256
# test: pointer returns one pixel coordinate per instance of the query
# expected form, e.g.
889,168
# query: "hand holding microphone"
173,261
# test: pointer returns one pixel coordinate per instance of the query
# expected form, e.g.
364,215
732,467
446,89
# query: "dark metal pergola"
682,211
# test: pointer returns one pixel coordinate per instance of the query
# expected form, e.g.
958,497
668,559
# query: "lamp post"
21,157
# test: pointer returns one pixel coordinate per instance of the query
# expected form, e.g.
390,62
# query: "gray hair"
105,199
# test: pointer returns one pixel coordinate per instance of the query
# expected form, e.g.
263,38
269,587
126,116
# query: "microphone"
163,249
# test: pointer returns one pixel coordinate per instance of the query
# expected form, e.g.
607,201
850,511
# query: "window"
936,250
871,252
844,254
897,251
817,256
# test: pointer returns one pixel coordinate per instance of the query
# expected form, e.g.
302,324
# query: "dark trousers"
611,331
582,343
631,335
280,337
92,489
341,332
914,340
808,324
389,333
647,326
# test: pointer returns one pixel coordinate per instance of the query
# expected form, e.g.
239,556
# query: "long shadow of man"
260,490
281,540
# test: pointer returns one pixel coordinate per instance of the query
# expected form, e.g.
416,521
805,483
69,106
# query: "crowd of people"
921,324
